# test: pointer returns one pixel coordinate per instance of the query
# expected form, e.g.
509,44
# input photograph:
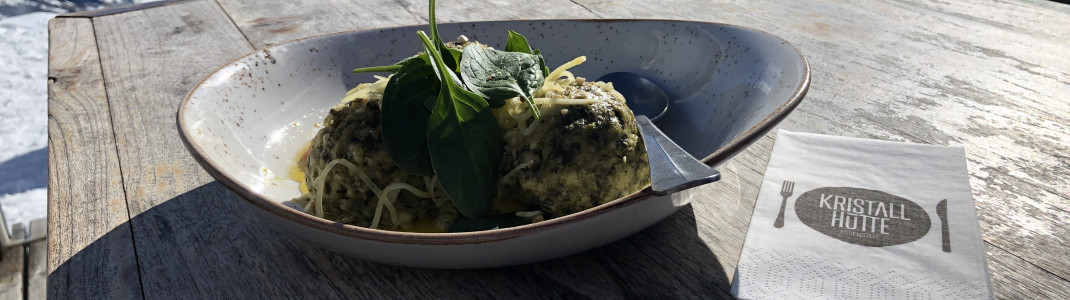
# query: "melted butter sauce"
424,225
297,171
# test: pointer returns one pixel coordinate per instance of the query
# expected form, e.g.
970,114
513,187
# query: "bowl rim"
733,147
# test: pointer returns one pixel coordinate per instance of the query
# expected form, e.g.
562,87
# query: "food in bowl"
250,156
503,143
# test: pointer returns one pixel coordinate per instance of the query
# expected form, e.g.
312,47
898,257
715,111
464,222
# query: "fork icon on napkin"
785,190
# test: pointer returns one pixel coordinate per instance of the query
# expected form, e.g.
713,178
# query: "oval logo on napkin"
861,216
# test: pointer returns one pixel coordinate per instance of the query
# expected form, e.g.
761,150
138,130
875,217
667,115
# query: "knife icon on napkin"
941,211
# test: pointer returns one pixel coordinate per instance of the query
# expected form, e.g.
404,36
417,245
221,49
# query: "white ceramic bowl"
246,122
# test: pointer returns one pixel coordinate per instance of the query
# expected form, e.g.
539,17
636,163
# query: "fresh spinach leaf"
464,140
518,43
500,75
396,67
405,115
452,60
387,68
542,63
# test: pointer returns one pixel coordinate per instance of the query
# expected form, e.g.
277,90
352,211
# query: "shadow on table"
24,172
205,243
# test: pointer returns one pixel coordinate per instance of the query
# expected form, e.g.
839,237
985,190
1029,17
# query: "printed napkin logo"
869,231
862,217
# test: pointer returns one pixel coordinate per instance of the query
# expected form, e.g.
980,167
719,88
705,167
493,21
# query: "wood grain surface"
90,249
990,76
271,22
13,267
37,263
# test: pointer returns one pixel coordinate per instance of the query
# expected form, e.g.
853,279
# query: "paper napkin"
849,218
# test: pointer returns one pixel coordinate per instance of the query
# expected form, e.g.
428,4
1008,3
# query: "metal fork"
785,191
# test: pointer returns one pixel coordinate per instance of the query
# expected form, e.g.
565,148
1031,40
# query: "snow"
24,116
24,102
10,8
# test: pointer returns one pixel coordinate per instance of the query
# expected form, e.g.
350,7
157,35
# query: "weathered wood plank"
186,228
723,211
1010,272
119,9
37,263
194,240
149,71
911,72
918,71
13,267
266,22
1003,95
90,250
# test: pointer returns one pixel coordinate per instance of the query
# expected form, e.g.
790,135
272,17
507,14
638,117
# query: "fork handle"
780,217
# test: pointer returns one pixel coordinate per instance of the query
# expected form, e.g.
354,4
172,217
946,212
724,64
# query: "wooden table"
131,214
22,267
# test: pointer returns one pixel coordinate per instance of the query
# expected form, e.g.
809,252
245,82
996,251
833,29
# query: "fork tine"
791,186
784,186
